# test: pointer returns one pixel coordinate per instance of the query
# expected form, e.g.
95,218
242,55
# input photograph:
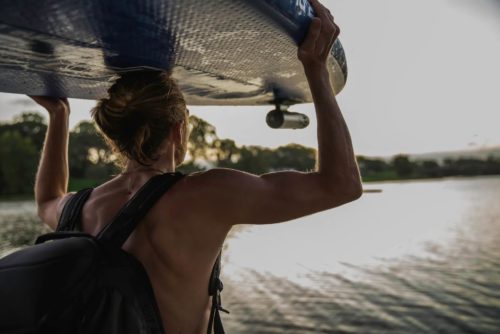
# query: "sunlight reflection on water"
401,221
420,257
415,258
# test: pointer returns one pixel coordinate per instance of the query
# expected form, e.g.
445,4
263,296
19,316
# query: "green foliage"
429,168
260,160
17,163
294,156
190,167
89,155
254,159
76,184
206,148
29,125
227,152
21,142
402,166
91,161
202,140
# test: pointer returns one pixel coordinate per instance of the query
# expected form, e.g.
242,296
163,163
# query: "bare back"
179,239
176,247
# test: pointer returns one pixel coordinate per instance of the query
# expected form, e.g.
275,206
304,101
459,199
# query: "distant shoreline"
425,179
91,162
90,183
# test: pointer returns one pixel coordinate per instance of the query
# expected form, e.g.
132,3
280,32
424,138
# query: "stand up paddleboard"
222,52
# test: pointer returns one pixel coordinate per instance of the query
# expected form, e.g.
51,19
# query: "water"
420,257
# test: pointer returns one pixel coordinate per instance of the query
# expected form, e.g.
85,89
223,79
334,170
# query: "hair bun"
139,113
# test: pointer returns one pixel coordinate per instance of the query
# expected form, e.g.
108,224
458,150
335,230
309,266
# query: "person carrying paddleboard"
145,121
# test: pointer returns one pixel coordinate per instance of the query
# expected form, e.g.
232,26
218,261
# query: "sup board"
222,52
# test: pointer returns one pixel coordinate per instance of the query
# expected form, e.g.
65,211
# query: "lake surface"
419,257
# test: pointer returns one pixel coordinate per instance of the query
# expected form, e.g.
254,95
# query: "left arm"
51,183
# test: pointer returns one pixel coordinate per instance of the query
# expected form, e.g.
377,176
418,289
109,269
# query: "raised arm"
234,197
52,176
336,161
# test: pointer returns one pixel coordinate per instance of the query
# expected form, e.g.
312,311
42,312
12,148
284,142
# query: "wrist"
58,116
317,74
58,112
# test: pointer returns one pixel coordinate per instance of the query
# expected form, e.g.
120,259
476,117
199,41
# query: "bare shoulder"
229,197
216,178
219,194
221,187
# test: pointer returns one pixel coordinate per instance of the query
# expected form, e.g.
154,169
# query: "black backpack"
72,282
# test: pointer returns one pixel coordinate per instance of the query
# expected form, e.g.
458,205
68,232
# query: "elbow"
357,192
353,190
40,211
44,209
345,190
40,205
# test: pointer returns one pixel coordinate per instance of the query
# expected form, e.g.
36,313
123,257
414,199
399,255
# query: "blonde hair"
139,113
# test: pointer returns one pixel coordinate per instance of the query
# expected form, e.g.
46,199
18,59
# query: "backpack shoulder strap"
71,215
214,289
125,221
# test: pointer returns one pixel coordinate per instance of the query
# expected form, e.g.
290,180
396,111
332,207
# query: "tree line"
403,167
91,162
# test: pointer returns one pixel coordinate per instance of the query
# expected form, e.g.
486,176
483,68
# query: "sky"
424,76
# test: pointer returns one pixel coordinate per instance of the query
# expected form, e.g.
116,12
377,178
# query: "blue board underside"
222,52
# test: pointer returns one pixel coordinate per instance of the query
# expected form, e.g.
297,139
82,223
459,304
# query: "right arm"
234,197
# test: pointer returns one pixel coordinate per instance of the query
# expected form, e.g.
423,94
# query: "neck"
165,164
